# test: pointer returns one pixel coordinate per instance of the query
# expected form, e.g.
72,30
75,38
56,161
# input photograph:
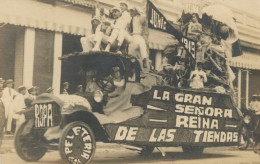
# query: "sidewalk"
8,144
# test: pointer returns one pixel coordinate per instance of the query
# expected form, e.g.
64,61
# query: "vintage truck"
149,117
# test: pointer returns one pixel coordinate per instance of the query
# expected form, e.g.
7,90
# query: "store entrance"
70,44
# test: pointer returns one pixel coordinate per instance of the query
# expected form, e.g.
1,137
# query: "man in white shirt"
118,25
8,99
135,39
19,104
198,77
125,14
32,92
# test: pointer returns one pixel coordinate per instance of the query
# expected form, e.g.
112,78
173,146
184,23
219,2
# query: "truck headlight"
247,119
98,96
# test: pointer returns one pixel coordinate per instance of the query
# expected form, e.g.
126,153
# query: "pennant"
157,21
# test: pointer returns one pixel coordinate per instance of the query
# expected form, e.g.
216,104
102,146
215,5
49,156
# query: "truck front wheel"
77,143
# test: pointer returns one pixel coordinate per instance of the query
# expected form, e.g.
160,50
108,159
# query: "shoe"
9,133
107,49
95,49
119,52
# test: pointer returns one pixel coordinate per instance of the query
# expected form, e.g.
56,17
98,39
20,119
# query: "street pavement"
115,153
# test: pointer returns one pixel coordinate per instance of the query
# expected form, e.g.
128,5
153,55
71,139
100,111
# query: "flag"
157,21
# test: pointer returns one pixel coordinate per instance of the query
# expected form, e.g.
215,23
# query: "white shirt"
138,23
126,17
19,103
197,81
9,94
255,105
119,23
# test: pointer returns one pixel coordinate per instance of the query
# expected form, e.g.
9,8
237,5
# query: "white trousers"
10,111
90,42
135,41
19,121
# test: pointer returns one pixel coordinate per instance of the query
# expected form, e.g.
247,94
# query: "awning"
247,61
159,40
85,3
45,16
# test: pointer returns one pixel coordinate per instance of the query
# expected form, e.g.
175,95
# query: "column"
29,40
239,89
158,60
57,63
19,57
247,88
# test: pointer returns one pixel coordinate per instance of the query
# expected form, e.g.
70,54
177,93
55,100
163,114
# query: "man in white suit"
8,99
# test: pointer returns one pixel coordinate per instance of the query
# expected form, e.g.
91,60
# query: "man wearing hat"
79,90
136,39
65,88
32,92
101,32
125,14
8,98
19,103
118,24
2,117
87,41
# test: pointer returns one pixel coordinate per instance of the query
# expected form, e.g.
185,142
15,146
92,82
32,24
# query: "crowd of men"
14,101
11,103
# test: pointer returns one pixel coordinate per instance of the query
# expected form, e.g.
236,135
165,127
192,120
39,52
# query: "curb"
8,137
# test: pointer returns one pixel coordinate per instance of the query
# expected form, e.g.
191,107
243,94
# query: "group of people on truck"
123,30
125,26
214,45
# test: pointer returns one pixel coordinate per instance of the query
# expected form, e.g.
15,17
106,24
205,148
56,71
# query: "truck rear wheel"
77,143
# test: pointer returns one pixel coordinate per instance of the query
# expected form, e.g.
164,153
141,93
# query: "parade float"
142,109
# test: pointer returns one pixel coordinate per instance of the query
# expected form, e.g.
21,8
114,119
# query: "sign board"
181,116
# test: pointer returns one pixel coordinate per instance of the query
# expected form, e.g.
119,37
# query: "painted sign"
46,115
78,137
43,115
181,116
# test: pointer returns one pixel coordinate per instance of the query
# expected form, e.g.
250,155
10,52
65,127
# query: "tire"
147,151
243,142
77,143
25,147
257,148
193,149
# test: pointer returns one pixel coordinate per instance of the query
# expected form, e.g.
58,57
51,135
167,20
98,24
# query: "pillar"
247,88
158,60
29,43
239,89
56,62
19,58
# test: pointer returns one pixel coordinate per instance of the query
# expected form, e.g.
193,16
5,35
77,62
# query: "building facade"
35,33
